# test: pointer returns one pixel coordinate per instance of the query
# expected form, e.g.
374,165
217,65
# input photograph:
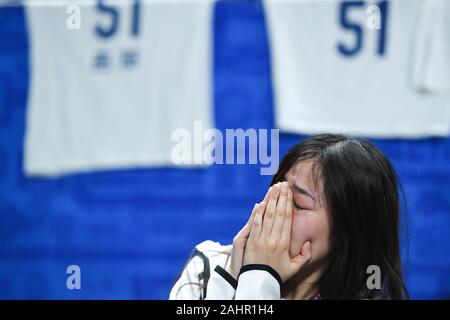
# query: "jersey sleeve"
258,282
188,285
221,285
199,276
205,278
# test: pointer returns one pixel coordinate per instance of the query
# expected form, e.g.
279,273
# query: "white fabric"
91,108
219,288
252,284
318,89
257,285
189,287
432,60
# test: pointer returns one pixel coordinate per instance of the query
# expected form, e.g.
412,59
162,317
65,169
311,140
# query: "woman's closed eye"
296,206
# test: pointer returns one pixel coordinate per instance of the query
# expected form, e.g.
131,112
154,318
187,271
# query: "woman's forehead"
302,171
303,174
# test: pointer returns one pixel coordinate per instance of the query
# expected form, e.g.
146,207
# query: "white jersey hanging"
108,90
345,67
432,48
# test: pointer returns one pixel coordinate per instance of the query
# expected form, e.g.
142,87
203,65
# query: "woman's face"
310,218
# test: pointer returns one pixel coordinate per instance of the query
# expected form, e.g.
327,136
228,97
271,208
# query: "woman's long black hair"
361,190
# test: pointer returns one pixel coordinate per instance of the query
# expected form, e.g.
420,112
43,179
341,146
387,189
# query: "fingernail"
275,191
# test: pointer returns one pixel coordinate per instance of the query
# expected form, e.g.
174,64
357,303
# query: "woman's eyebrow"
304,192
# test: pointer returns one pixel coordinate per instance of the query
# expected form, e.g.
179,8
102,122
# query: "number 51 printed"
380,14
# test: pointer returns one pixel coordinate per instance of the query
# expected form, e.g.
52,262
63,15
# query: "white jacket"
205,277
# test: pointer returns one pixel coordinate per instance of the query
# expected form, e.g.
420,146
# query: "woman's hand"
270,235
239,243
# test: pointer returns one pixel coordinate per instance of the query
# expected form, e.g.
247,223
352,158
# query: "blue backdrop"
131,231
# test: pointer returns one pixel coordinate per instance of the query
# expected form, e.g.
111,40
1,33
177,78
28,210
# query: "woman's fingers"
297,263
269,215
245,231
256,229
286,231
266,197
248,225
280,212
